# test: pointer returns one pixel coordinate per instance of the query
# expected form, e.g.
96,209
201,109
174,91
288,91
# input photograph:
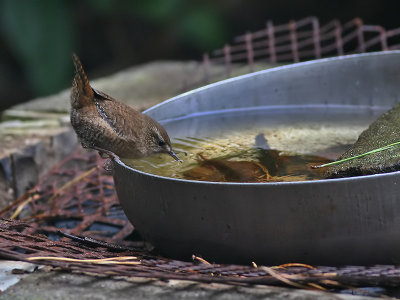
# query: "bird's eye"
161,143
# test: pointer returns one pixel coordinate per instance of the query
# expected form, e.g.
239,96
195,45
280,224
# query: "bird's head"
158,140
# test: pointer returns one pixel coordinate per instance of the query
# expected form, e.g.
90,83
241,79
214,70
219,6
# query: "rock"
6,189
22,164
384,131
65,285
142,86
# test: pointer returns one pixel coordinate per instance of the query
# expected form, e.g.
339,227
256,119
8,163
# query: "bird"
111,127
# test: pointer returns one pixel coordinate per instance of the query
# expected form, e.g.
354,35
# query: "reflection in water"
258,146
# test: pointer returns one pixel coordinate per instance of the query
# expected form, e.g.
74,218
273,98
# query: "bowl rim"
270,70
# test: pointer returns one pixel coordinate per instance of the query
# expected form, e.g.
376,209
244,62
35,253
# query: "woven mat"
72,220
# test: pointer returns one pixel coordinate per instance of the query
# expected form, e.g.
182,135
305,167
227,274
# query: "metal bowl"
336,221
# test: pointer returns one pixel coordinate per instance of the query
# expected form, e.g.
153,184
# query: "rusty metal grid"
77,197
296,41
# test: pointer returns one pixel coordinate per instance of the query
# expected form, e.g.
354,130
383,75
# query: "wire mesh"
78,198
297,41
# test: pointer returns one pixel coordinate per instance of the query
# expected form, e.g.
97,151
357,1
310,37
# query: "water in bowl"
260,144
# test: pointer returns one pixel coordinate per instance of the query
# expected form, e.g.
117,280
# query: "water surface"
282,142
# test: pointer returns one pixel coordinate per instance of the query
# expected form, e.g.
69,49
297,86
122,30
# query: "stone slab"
62,285
29,158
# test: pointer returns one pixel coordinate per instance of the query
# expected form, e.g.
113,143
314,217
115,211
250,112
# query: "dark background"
37,37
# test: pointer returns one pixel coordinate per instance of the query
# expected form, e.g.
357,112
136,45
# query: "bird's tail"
82,93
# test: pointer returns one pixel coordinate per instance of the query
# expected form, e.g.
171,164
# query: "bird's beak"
172,153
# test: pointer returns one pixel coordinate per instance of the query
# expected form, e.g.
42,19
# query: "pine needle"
123,260
356,156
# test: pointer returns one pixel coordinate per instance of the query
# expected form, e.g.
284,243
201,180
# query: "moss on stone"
384,131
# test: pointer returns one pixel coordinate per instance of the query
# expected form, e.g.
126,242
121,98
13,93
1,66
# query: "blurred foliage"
42,34
37,37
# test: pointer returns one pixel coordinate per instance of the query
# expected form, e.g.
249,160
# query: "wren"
111,127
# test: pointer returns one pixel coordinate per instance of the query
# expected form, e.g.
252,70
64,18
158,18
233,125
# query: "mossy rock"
384,131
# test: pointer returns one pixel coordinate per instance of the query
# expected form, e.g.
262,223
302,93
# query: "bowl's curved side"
339,221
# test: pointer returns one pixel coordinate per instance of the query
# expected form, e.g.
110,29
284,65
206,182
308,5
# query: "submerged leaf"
228,171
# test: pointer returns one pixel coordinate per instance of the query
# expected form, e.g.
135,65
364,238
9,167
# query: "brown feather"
82,93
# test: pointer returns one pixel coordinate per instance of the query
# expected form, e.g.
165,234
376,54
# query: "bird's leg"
108,165
103,155
106,154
